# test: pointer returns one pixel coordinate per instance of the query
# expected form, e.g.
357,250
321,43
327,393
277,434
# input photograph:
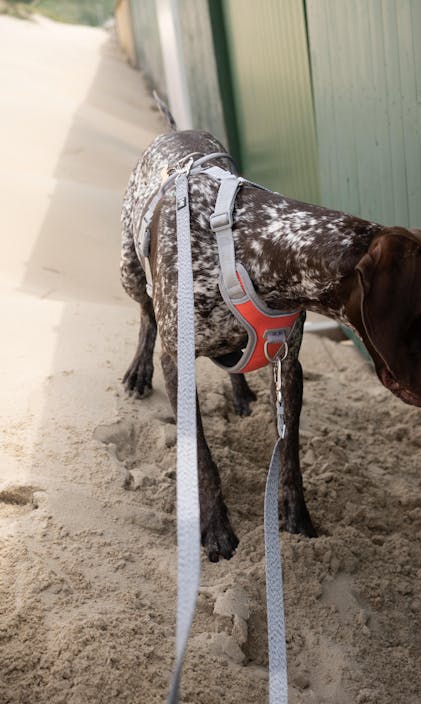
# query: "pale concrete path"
74,119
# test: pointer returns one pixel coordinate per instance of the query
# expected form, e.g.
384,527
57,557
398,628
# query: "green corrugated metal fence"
320,99
366,67
201,68
267,44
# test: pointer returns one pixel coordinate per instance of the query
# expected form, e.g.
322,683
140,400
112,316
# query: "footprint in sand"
17,497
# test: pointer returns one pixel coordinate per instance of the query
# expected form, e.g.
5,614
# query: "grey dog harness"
188,512
267,329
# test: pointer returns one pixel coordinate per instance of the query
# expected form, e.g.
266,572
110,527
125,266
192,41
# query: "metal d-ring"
276,357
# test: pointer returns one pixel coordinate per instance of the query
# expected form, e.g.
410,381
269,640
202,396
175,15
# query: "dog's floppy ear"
390,278
367,265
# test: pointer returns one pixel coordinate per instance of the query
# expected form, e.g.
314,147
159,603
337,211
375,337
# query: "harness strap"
144,240
221,224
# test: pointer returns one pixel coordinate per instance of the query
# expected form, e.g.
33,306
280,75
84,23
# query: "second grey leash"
188,511
278,684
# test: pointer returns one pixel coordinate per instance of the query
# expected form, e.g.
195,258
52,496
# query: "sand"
87,522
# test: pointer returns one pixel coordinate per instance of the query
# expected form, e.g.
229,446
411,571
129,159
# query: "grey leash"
278,685
188,511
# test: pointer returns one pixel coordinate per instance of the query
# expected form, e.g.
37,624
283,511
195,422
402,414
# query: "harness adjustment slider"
219,221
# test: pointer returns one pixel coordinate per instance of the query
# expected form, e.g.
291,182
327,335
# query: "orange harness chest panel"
268,330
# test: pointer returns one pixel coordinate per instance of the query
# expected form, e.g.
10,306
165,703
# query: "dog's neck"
305,256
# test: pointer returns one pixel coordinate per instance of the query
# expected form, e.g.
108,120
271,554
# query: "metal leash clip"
280,408
184,165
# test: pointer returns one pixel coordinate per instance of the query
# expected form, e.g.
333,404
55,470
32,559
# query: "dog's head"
389,276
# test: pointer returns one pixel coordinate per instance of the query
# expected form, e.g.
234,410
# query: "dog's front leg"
138,378
296,517
218,538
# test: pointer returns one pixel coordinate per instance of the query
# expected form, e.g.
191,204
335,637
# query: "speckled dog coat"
299,257
262,221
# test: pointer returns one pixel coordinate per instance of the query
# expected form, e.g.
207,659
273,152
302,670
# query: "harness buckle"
220,221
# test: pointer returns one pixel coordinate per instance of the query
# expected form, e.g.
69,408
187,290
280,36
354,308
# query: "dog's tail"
165,111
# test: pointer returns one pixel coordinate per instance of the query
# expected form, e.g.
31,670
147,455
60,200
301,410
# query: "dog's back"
165,152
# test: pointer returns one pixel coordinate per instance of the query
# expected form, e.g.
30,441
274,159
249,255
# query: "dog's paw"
218,538
297,520
138,378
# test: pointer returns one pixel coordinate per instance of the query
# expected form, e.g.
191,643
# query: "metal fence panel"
267,42
200,67
366,68
147,41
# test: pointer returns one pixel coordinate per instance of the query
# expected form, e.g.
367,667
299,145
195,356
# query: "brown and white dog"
298,256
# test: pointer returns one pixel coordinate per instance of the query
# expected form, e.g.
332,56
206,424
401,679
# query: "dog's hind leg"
218,538
296,517
138,377
242,394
